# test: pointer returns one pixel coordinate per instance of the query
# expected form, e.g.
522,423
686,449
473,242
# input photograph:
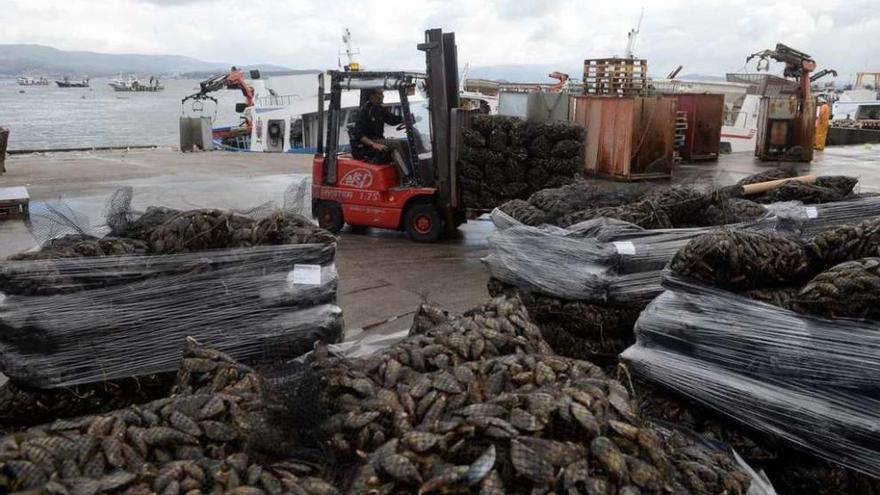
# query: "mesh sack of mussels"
467,407
657,207
505,158
196,440
595,332
241,301
743,259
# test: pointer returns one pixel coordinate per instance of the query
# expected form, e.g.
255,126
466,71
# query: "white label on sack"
625,247
305,274
812,211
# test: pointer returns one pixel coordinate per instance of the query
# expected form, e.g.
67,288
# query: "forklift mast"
441,64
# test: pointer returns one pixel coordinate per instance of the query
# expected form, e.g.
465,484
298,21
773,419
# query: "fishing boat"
133,85
30,81
67,83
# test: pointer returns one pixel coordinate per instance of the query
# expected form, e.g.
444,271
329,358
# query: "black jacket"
371,122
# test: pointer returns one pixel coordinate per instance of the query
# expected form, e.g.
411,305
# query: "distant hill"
45,60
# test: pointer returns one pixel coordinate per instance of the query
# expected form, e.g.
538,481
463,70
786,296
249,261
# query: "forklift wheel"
423,223
329,215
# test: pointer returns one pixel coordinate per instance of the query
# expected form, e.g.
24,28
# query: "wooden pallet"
616,76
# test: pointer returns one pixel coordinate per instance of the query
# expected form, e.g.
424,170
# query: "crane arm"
822,73
561,77
233,80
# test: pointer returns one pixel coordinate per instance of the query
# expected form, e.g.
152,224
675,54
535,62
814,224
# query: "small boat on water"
67,83
30,81
133,85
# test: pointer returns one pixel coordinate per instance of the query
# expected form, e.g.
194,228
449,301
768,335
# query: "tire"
329,216
422,223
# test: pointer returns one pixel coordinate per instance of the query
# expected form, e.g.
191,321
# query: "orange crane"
561,77
233,80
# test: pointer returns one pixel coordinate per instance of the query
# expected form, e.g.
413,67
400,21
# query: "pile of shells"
741,259
683,205
286,228
577,329
167,231
643,213
468,406
650,208
847,243
848,290
826,189
506,158
524,212
84,246
582,195
671,206
724,211
25,406
783,297
193,440
197,230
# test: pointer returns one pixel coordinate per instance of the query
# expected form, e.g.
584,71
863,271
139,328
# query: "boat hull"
138,89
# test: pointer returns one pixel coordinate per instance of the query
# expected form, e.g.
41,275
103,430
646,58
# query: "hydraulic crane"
787,123
233,80
561,77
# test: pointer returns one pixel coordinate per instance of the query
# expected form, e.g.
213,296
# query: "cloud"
173,2
705,36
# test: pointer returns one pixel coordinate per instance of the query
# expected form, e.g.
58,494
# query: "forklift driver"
368,137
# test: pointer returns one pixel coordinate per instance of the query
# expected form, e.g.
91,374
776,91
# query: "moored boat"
30,81
67,83
133,85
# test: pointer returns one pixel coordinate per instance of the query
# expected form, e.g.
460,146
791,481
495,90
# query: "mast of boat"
464,74
349,52
632,35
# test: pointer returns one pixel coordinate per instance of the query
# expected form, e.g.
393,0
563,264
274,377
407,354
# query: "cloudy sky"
706,36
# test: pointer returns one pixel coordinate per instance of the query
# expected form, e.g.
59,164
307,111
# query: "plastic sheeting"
809,220
600,260
121,316
807,380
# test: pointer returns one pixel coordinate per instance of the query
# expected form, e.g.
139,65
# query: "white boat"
133,85
856,104
30,81
287,123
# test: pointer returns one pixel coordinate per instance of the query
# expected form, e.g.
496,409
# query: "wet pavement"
383,276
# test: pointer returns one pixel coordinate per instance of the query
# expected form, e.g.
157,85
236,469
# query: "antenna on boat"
632,36
463,78
349,52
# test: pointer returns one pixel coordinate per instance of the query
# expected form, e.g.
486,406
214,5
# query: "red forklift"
363,194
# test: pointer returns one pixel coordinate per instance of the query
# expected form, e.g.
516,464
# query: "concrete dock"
383,276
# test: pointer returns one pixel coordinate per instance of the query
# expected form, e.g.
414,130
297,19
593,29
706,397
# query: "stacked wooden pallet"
615,76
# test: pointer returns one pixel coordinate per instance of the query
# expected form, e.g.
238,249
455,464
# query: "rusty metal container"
786,129
627,138
704,113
